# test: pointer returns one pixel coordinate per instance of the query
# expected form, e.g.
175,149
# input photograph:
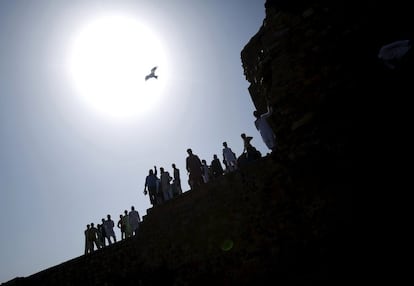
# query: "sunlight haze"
108,61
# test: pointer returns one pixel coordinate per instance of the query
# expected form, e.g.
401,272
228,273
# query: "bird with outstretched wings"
151,74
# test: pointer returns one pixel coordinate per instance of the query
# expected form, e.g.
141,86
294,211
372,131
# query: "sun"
108,61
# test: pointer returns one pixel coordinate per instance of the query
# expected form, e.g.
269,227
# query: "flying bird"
152,74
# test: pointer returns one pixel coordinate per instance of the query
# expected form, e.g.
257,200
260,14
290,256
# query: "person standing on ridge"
109,229
134,220
193,166
150,186
229,158
176,182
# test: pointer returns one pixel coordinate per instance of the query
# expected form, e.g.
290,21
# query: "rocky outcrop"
240,229
316,63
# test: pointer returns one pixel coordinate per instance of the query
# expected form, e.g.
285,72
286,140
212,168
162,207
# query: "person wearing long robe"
134,220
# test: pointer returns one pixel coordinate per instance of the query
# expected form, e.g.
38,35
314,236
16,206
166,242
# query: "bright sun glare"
109,59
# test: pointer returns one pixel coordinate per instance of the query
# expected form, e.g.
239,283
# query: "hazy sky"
63,164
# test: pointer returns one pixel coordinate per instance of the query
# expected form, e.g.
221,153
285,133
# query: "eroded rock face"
316,63
299,62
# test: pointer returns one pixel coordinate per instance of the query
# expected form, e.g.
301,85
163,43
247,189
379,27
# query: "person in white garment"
269,138
134,220
109,229
229,157
205,171
165,184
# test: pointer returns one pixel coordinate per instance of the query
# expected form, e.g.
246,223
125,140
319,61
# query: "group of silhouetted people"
199,172
165,187
98,236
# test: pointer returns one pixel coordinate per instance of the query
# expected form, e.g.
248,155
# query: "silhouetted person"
246,142
103,232
109,229
229,157
152,74
134,220
121,226
93,238
269,138
165,185
193,166
205,171
216,168
249,151
87,241
176,182
151,186
125,223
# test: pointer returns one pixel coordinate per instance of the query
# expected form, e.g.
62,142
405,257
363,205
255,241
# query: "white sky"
62,164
